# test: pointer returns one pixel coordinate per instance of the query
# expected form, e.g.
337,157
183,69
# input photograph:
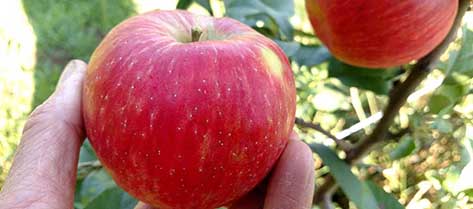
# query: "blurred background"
425,163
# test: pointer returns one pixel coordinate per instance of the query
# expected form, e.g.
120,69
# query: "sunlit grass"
17,60
149,5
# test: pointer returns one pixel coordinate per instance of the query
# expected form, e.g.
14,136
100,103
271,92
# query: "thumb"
44,167
73,72
65,102
69,92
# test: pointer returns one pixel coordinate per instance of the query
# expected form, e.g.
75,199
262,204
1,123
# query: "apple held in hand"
188,111
381,33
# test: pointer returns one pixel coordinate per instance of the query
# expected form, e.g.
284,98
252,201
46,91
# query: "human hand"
43,173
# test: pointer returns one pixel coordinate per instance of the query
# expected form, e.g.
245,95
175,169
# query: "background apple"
188,111
381,33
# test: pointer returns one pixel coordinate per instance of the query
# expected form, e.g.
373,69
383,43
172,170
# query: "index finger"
292,183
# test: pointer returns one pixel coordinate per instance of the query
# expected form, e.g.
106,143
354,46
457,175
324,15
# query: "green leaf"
289,48
462,63
270,28
283,6
185,4
458,69
86,152
447,96
311,55
443,125
353,188
403,149
385,200
453,90
77,203
112,198
307,55
459,58
376,80
93,185
278,10
438,102
469,192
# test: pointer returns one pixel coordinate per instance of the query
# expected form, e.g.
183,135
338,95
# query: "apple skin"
188,125
381,33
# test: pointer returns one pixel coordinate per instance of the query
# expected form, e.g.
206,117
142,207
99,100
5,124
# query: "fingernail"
73,67
294,136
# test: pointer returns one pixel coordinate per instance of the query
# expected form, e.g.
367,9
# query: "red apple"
381,33
187,111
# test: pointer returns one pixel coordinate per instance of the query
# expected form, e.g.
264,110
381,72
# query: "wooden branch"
328,185
398,135
84,168
346,146
89,164
397,99
327,202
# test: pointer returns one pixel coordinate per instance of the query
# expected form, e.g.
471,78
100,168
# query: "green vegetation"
66,30
41,38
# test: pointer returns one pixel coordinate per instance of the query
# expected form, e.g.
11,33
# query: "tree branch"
398,98
346,146
84,168
396,136
327,202
328,185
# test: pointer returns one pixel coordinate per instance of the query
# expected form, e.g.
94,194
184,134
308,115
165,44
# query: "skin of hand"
43,174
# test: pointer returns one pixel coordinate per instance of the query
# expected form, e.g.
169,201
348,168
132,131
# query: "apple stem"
196,33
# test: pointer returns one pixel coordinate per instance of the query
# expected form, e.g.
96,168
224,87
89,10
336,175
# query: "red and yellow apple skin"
188,125
381,33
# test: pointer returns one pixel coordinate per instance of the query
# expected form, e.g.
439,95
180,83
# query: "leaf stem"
196,33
